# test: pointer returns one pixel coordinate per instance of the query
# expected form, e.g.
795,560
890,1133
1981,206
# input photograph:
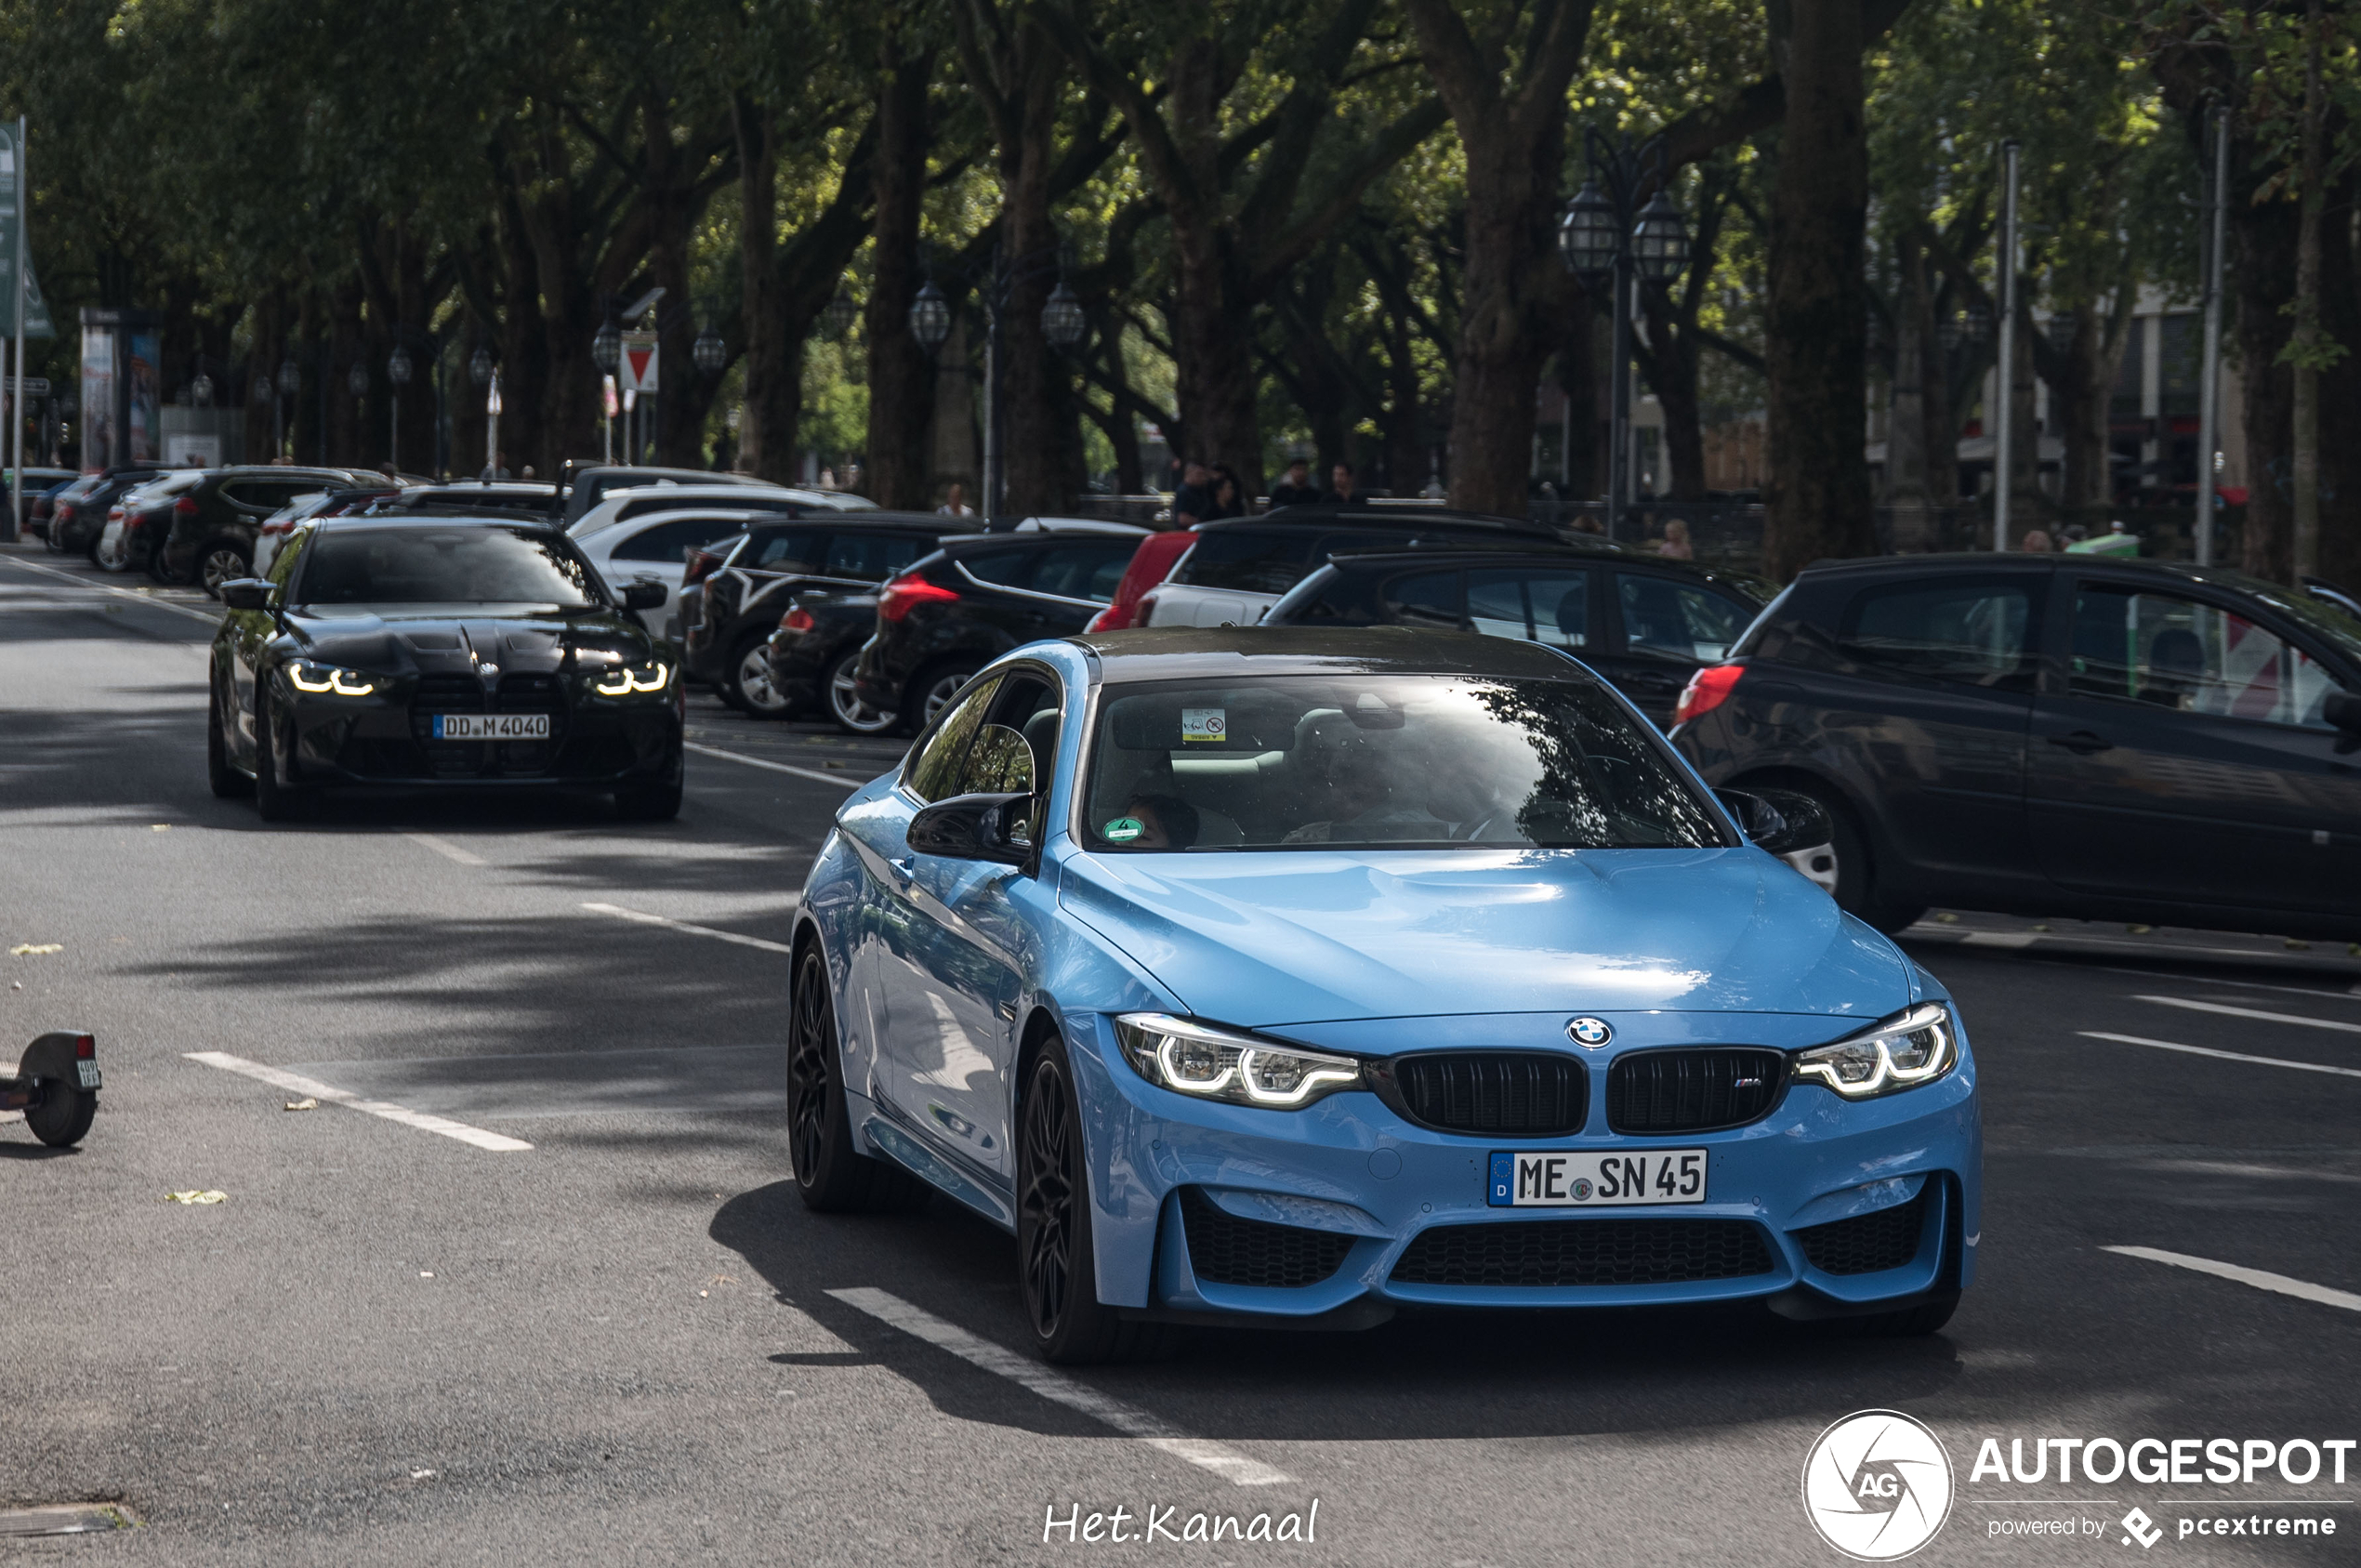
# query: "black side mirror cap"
246,593
1779,821
643,596
976,827
2343,710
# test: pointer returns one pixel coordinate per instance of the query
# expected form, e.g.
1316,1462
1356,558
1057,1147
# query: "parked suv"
1239,566
955,610
216,521
2108,739
726,619
78,513
1645,623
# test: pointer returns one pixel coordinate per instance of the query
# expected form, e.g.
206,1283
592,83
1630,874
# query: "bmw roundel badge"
1590,1032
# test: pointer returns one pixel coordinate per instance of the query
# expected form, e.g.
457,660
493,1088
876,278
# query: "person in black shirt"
1192,503
1340,489
1296,489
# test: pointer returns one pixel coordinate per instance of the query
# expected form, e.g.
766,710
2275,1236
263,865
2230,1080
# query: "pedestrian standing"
1192,503
1676,545
1296,489
954,502
1229,497
1341,487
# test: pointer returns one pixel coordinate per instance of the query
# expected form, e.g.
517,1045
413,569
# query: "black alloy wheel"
854,715
220,773
1056,1266
831,1174
273,801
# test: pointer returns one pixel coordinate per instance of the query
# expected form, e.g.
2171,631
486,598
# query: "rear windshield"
459,565
1382,762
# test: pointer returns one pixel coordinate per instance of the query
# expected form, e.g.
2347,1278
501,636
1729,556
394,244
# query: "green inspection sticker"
1123,830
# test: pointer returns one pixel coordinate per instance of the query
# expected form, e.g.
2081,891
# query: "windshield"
460,565
1383,762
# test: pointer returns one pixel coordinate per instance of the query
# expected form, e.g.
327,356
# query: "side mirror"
246,593
643,595
2343,710
977,827
1779,821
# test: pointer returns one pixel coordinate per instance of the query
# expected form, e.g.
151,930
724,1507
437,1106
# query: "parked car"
42,505
141,520
1644,623
588,485
1239,566
1288,978
1152,562
38,484
621,504
657,547
727,617
431,651
814,652
340,502
78,514
979,596
529,496
2108,739
215,521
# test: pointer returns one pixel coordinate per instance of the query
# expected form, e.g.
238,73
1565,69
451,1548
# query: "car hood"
432,640
1265,939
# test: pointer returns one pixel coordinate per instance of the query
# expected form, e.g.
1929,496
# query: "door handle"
2082,743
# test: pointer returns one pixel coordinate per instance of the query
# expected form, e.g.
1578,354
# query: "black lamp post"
1607,234
397,376
709,352
836,315
1063,323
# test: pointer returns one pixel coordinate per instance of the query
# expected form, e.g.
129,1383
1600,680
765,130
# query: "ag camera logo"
1877,1485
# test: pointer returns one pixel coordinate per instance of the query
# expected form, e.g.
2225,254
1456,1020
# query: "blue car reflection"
1296,975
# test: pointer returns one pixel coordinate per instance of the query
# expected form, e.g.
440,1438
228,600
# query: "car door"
1050,590
250,633
1664,629
760,576
654,548
1548,603
2180,754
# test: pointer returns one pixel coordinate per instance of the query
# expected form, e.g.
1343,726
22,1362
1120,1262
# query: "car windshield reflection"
478,565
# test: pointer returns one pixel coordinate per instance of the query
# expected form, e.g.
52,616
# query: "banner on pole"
36,314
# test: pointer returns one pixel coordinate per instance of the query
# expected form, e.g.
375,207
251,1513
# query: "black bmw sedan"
434,651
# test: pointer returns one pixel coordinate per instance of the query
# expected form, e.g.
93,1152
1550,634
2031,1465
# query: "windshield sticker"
1205,725
1123,830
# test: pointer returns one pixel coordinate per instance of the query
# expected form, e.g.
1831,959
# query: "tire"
276,802
747,683
61,1119
218,561
152,562
930,693
854,715
1910,1322
1056,1262
116,560
1858,893
220,773
831,1174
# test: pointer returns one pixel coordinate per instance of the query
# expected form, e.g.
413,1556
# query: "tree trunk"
902,389
1018,74
347,415
1577,368
2305,345
773,367
2339,557
1671,365
1906,426
1817,501
678,425
2083,398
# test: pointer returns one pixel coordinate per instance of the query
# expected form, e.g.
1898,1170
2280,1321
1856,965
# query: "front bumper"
387,738
1824,1207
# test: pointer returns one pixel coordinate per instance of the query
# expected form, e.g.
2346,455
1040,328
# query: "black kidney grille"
1866,1242
1224,1249
1544,1252
1692,1090
1509,1094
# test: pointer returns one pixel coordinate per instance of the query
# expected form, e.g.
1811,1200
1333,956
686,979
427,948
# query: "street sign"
33,387
638,371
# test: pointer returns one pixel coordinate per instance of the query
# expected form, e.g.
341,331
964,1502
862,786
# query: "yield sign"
639,366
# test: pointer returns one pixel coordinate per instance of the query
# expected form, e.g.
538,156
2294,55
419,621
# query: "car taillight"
277,526
64,513
702,564
1708,689
185,506
85,1048
903,595
796,619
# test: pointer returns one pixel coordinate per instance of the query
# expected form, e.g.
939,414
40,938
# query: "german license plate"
85,1072
490,726
1568,1179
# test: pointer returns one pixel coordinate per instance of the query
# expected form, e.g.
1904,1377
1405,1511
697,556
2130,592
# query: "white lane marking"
2227,1056
1059,1389
444,848
2015,939
295,1083
2260,1278
646,919
212,619
848,785
2312,991
2195,1006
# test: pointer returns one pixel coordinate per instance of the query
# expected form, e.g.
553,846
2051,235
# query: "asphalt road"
627,1343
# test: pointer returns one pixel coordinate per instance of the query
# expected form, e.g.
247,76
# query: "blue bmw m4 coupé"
1257,975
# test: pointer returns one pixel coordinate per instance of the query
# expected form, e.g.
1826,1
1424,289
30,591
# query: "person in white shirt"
955,504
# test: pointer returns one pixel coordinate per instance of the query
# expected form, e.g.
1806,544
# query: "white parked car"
621,505
109,553
655,546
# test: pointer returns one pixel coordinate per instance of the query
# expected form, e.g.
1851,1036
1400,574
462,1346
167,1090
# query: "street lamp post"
484,374
1062,325
397,377
1607,234
606,352
290,383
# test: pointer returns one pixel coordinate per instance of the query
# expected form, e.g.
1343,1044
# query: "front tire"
273,801
1056,1267
831,1174
658,802
220,773
1859,890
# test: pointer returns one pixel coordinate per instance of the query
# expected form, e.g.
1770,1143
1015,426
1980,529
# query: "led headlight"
310,675
1905,1051
622,681
1178,1053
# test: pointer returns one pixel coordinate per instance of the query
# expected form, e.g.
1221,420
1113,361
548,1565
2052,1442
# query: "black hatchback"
1645,623
980,595
2116,739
